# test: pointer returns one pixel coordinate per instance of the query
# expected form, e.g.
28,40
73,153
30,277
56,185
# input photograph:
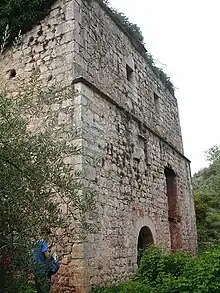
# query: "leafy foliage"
173,273
21,15
206,185
35,183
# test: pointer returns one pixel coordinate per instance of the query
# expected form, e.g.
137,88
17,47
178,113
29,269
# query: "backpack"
54,264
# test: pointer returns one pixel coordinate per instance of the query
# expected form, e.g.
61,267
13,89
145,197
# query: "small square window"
130,73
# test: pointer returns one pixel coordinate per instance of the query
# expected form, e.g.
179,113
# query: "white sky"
185,35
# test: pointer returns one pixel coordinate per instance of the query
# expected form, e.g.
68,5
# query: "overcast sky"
184,35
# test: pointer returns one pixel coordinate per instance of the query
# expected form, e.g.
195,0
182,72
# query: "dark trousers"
43,283
2,278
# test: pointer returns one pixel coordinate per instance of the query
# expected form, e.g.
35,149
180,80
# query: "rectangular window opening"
130,73
157,103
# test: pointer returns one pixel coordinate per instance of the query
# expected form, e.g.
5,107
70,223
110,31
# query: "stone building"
130,135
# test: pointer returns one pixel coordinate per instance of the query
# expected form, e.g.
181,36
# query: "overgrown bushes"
37,187
206,185
173,273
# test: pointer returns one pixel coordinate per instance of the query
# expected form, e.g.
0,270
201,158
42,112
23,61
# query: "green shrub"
204,274
176,263
155,262
151,265
174,273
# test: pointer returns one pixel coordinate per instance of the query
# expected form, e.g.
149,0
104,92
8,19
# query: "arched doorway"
145,239
173,211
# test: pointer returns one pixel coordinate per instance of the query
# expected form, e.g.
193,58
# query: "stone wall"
125,166
129,130
80,39
47,49
104,51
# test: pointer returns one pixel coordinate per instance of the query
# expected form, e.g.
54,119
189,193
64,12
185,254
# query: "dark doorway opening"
145,239
173,211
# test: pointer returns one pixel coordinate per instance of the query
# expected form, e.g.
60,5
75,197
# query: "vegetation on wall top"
135,33
131,28
22,15
160,73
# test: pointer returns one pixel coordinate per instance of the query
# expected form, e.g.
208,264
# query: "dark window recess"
12,73
130,73
173,211
157,103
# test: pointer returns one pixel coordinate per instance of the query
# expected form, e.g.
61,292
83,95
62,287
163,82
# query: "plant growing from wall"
131,28
160,73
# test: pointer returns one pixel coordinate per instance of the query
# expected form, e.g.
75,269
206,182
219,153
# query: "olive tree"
35,181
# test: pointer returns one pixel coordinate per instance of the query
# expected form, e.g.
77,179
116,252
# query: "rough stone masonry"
130,136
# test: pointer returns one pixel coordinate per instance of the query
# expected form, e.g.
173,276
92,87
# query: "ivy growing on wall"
22,15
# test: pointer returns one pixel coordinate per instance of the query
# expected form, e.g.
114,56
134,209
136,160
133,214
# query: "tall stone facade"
132,153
